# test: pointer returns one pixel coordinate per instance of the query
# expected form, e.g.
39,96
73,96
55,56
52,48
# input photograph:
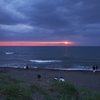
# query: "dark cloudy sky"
51,20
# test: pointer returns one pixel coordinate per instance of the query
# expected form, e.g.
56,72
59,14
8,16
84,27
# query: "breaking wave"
44,61
9,52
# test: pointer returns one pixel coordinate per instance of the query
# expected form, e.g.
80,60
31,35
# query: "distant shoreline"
62,69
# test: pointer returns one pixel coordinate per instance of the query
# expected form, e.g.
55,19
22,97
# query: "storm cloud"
51,20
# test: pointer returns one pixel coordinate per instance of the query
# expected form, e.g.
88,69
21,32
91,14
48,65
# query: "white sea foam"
44,61
9,52
79,67
35,67
9,65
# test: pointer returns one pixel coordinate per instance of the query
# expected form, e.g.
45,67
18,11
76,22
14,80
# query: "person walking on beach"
93,69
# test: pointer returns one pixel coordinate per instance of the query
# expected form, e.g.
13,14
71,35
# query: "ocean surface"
50,57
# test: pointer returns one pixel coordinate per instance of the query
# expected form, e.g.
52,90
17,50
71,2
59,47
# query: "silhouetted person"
93,69
39,77
27,67
96,67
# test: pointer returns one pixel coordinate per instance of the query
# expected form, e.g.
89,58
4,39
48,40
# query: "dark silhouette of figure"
93,69
39,77
27,67
96,67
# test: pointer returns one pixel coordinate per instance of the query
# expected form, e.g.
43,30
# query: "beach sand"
86,79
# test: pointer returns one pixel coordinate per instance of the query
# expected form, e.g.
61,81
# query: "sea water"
50,57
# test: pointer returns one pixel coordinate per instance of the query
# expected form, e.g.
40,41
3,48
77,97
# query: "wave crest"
9,52
44,61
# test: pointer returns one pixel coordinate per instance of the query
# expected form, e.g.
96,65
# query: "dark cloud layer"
50,20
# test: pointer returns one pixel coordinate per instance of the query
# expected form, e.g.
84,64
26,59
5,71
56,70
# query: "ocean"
50,57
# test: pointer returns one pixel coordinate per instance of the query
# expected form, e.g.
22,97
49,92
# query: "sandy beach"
86,79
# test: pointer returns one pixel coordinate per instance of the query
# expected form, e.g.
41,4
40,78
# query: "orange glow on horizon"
32,43
66,42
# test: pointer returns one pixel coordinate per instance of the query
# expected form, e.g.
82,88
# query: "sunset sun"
66,42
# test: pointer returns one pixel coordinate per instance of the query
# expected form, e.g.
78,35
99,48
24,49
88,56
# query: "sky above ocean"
50,22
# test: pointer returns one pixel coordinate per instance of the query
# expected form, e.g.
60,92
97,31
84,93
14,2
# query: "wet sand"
86,79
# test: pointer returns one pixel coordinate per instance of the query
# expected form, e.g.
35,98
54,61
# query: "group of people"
26,67
95,68
55,78
61,79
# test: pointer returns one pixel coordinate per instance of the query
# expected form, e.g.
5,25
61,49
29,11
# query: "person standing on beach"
39,77
27,67
93,69
24,67
96,67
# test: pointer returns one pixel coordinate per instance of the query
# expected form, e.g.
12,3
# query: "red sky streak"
33,43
